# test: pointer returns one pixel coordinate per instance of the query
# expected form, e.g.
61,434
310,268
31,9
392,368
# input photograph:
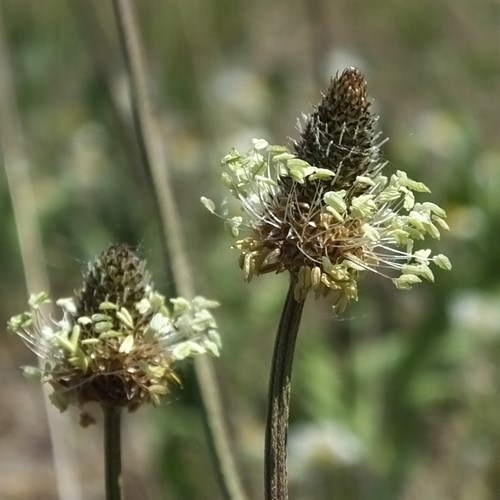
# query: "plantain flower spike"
118,341
325,211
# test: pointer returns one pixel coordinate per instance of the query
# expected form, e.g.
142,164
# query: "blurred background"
397,400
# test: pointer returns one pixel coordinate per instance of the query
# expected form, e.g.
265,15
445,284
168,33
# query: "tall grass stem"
154,158
21,192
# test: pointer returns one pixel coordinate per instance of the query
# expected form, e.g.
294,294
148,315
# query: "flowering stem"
275,455
154,158
112,452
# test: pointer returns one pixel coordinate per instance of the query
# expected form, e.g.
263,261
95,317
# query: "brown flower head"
340,134
326,213
118,341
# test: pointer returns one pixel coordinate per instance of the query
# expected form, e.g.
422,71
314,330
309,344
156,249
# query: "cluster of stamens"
325,212
118,340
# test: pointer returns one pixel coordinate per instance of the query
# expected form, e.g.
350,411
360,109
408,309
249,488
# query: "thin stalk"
278,406
112,452
21,192
154,158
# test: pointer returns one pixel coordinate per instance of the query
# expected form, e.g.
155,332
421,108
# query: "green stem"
275,454
112,452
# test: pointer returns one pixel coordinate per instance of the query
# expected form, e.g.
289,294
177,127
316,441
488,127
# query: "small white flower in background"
313,443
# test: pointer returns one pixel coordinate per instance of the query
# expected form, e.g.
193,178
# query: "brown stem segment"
112,452
275,455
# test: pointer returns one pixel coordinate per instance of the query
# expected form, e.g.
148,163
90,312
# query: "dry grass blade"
30,243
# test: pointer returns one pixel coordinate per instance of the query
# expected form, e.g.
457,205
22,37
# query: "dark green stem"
275,455
112,452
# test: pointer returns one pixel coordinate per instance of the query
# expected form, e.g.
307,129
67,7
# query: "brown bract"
127,380
118,276
340,134
296,235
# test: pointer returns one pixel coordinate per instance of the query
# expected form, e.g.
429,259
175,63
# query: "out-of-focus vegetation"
397,400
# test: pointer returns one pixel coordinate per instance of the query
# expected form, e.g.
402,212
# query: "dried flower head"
326,213
118,340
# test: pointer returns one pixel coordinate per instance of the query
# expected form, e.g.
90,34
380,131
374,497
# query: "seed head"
340,134
118,341
326,213
118,275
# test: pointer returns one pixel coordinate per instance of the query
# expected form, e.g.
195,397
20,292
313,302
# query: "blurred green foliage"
399,399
